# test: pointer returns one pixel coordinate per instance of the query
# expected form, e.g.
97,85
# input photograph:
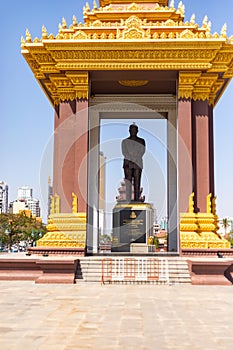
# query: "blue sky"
26,116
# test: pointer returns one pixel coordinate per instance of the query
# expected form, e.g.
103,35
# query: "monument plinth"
132,223
132,219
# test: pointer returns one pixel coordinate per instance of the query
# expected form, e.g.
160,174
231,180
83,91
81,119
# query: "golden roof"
131,36
120,2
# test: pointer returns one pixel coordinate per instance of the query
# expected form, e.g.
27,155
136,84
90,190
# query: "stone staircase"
131,270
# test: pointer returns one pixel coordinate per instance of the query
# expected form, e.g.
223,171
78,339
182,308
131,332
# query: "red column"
70,153
81,155
203,152
211,149
185,166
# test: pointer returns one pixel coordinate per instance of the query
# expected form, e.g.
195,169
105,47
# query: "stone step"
90,270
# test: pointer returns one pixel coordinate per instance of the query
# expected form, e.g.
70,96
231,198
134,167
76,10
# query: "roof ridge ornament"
28,36
75,23
224,31
123,2
181,8
44,33
133,29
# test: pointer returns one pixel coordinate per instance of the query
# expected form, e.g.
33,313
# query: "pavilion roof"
143,35
120,2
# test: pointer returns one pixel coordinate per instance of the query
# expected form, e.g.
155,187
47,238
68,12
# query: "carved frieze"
143,54
199,86
69,86
138,103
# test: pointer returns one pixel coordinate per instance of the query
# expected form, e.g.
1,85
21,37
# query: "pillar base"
66,230
199,231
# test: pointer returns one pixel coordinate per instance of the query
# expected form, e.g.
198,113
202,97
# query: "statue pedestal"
132,223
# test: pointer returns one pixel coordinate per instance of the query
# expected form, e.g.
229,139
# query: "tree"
230,238
225,224
15,228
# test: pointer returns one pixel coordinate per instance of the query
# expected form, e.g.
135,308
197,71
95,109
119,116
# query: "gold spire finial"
95,5
87,8
172,4
59,27
191,203
74,20
193,18
44,33
205,22
181,8
28,36
22,41
209,24
64,25
224,31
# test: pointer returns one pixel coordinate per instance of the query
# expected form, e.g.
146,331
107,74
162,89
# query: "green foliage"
226,224
18,227
156,242
230,238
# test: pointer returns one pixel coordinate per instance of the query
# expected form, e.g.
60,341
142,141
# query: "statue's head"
133,129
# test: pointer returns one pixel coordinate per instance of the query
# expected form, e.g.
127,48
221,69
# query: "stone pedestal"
132,223
66,235
199,230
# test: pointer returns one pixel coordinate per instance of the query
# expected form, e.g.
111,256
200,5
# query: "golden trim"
136,206
199,230
134,83
199,86
119,2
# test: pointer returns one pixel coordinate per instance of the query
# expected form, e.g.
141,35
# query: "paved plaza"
91,316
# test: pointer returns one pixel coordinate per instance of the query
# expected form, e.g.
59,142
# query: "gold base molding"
65,230
199,230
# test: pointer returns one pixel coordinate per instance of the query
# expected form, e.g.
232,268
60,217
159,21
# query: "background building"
24,193
50,193
25,201
17,206
3,197
33,205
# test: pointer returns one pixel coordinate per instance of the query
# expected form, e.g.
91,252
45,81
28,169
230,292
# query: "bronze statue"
133,149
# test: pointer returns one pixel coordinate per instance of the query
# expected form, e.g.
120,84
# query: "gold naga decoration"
74,203
126,35
57,204
191,203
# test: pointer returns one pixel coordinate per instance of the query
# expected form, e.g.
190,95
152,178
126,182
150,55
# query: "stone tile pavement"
91,316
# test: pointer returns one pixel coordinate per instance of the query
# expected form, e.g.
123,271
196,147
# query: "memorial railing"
135,270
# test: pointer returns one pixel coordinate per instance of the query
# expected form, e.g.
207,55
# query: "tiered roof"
120,2
120,35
